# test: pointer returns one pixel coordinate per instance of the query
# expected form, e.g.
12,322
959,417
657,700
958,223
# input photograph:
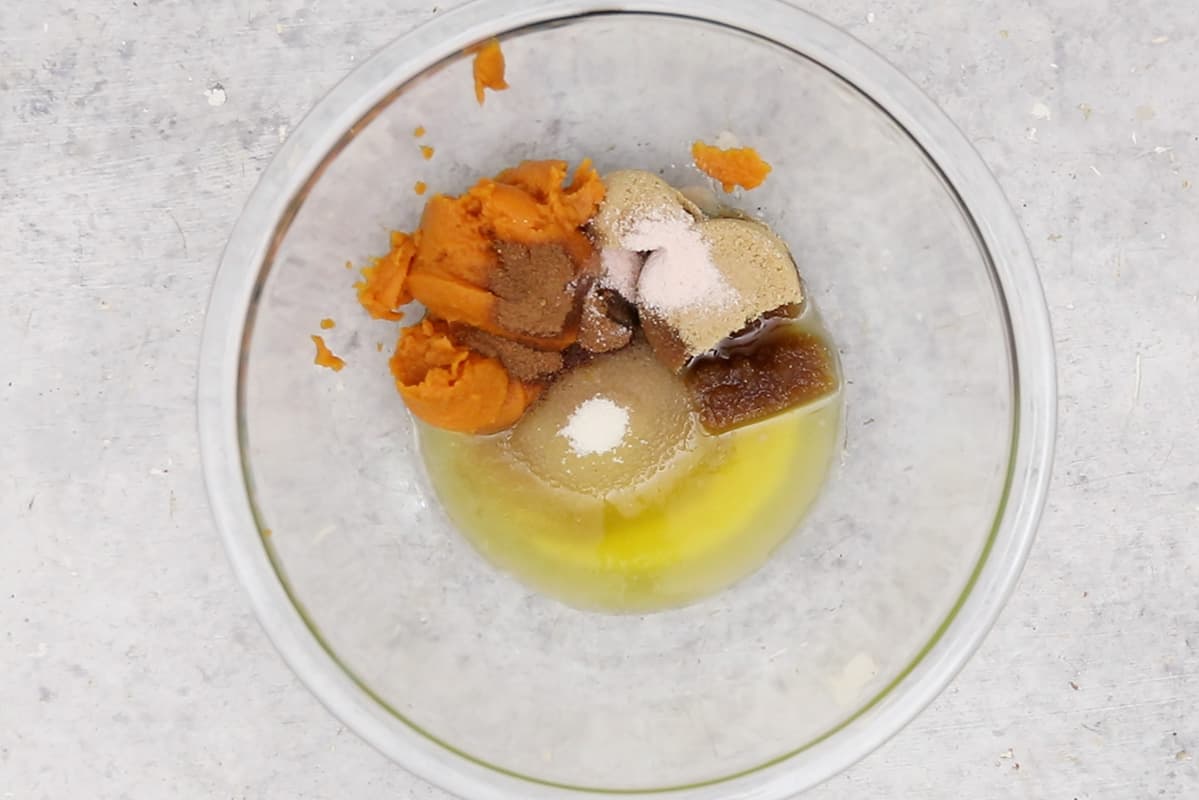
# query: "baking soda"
679,273
597,426
620,269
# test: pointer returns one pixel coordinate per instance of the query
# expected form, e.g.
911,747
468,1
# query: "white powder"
619,271
679,273
596,426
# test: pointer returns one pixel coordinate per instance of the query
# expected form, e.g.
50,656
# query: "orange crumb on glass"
378,347
349,265
420,187
741,166
325,357
426,152
488,68
418,131
327,323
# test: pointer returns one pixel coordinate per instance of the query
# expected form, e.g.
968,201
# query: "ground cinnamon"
533,287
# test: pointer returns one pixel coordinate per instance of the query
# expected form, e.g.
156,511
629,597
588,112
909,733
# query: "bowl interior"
473,659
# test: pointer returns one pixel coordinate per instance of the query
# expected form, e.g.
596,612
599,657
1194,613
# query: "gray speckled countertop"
130,135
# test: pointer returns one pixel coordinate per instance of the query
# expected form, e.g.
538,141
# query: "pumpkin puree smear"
496,266
533,272
662,394
325,357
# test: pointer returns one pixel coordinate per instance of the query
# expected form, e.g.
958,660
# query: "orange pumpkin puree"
450,264
741,166
325,357
382,290
452,386
488,68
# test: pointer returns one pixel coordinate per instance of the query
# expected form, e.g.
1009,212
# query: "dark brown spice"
523,362
607,321
534,284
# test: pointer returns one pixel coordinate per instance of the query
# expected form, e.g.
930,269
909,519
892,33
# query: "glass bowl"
461,673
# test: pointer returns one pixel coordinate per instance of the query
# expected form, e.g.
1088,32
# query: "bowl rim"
278,196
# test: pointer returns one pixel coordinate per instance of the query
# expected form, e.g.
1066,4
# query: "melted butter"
747,490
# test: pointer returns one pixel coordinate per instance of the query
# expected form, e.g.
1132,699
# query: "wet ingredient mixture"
644,389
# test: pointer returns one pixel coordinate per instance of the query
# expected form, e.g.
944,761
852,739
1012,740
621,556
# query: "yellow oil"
719,523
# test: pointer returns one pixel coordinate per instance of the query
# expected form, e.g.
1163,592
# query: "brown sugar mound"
740,166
